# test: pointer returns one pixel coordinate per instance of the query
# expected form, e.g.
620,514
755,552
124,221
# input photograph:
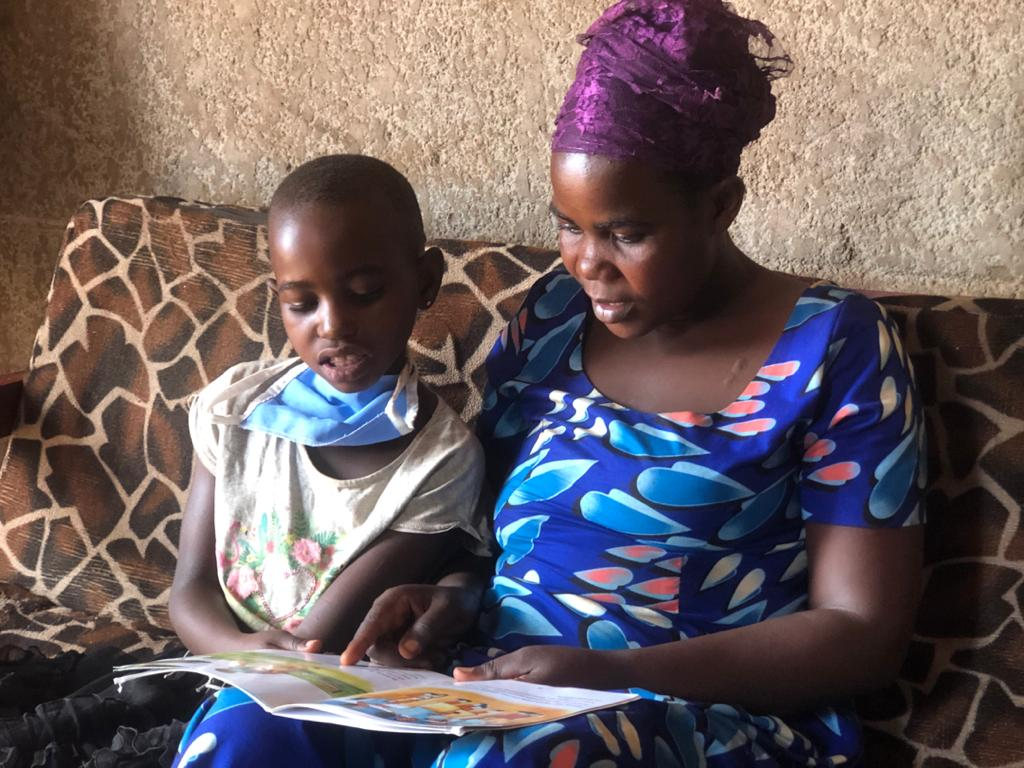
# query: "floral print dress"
621,529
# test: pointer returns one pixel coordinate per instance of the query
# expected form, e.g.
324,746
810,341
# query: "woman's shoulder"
554,299
851,310
552,295
829,318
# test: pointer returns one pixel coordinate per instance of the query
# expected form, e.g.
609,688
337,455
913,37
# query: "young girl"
324,479
709,473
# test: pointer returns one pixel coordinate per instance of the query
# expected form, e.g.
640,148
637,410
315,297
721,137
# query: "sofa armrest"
10,399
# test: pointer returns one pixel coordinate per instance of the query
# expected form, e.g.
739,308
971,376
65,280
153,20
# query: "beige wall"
897,160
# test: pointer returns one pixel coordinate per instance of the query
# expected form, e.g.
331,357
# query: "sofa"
153,297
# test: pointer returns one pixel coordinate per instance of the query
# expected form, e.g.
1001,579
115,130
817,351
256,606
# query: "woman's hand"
414,625
550,665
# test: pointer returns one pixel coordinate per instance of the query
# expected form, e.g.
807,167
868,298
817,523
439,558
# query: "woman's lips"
611,311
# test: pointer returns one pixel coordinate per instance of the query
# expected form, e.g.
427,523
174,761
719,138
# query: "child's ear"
430,268
727,199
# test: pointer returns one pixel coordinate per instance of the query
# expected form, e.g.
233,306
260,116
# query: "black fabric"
65,711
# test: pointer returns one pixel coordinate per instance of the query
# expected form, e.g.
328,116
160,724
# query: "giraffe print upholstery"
154,297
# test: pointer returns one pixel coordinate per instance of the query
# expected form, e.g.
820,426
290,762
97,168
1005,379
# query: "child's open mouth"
342,367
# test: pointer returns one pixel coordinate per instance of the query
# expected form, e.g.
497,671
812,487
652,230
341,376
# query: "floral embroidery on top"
277,574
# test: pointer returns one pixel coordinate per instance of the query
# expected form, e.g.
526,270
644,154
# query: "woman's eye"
300,307
628,238
572,229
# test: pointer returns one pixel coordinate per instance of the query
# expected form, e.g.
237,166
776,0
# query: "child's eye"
366,295
630,238
300,307
572,229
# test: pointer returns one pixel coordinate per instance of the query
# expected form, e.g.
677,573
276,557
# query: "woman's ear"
272,285
727,199
430,268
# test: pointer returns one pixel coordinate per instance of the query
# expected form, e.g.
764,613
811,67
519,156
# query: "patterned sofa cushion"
152,298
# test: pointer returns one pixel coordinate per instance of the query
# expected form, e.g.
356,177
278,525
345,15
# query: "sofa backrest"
154,297
958,699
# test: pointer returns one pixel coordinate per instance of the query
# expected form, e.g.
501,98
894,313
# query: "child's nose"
335,322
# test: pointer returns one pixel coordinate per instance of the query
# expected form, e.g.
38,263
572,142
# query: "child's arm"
864,587
199,613
394,558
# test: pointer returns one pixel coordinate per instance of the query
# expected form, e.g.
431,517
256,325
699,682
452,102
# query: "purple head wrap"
679,84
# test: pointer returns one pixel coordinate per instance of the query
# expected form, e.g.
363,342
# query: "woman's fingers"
426,619
386,654
389,613
511,666
432,628
443,615
549,664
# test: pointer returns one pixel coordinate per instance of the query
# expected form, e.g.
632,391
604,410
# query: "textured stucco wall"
897,160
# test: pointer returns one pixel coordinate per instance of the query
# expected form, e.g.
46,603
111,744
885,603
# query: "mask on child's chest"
309,411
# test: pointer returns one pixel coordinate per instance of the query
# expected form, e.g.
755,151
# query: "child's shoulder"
436,413
445,425
234,389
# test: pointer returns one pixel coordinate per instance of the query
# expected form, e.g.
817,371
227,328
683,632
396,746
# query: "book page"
315,687
458,707
277,678
451,709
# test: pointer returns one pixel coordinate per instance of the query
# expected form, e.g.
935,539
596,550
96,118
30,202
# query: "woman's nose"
591,263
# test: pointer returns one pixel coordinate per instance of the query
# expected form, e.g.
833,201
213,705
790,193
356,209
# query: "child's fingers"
286,641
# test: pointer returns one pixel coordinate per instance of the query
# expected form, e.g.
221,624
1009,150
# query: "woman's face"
641,249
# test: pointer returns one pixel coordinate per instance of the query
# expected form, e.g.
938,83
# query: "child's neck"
353,462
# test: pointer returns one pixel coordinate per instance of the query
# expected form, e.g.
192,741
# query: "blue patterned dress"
620,529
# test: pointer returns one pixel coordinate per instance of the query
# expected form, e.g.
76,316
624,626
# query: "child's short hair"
338,179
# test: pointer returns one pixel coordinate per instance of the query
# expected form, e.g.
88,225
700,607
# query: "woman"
708,473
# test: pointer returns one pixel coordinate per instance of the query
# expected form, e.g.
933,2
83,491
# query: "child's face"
640,250
349,285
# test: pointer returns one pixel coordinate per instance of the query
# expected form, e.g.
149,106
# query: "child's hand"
550,665
413,625
279,639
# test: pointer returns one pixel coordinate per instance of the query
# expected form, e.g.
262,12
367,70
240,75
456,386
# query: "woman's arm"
199,613
394,558
864,587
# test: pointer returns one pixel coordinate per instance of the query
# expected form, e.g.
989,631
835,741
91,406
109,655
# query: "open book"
314,687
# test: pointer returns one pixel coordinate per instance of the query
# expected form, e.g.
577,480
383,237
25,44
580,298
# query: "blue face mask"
309,411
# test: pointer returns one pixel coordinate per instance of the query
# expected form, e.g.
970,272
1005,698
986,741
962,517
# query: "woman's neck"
725,290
